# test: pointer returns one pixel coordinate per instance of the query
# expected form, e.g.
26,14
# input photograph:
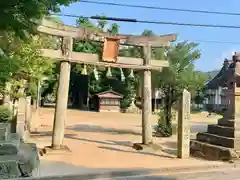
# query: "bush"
5,114
160,131
165,128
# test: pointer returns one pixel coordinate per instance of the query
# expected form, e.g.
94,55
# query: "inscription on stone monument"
184,125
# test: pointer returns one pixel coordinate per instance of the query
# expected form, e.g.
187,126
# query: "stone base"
140,147
216,140
226,122
212,152
219,130
133,109
49,150
9,169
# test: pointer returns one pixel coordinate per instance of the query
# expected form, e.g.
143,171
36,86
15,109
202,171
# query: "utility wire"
161,8
152,22
202,41
216,42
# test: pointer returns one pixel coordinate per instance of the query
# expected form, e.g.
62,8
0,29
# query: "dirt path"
102,141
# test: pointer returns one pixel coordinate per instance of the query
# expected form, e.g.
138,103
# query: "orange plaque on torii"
110,49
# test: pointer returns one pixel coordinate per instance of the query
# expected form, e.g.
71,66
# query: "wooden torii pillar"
109,58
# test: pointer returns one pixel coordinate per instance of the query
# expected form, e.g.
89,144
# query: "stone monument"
184,125
17,159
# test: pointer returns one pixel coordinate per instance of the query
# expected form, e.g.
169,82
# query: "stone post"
38,96
184,113
61,105
28,114
7,99
147,99
21,116
21,111
62,96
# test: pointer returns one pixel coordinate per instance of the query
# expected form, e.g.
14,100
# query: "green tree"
21,58
23,61
19,16
178,76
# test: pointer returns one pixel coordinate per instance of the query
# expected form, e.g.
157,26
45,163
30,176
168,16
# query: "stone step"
9,168
21,164
212,152
216,140
221,130
226,122
29,159
9,146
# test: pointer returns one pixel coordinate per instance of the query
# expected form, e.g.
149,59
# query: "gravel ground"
102,142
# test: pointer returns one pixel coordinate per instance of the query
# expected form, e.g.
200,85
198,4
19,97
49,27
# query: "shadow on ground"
111,145
54,170
100,129
107,142
170,147
135,152
92,129
107,145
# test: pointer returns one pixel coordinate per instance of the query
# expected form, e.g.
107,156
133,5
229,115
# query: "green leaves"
178,76
18,16
181,74
22,60
5,114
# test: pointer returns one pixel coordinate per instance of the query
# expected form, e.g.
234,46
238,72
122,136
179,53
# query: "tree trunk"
168,119
165,121
168,111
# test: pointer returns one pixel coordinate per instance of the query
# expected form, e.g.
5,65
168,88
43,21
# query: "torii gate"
109,58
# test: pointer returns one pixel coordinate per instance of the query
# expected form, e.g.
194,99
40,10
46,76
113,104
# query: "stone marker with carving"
184,125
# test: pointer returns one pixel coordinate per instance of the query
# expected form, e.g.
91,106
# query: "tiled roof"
220,79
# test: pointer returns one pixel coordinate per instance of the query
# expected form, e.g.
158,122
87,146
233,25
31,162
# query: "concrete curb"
136,173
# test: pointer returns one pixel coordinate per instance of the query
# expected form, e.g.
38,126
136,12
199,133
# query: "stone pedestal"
17,159
222,140
133,109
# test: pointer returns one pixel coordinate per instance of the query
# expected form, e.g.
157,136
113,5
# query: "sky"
212,54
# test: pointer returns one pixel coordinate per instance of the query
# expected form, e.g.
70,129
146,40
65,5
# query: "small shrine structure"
109,101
